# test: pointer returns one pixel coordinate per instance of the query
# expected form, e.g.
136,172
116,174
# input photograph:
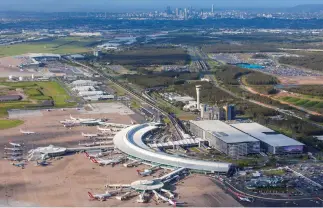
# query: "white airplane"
42,163
244,199
102,162
69,125
97,155
26,132
146,172
90,135
13,149
103,129
100,197
133,122
15,144
82,119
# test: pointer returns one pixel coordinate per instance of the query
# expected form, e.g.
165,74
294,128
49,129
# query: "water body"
280,86
250,66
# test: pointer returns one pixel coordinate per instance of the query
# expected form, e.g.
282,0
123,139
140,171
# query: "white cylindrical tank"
21,78
10,77
32,77
198,89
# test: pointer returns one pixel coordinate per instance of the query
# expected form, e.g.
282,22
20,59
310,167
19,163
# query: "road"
144,96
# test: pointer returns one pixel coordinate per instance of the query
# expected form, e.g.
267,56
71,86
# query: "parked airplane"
81,119
42,163
244,199
90,135
100,197
103,129
97,155
20,165
15,144
26,132
133,122
147,172
13,149
69,125
102,162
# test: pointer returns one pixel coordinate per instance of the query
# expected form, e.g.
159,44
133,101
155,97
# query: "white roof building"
90,93
83,83
272,141
42,153
98,97
83,88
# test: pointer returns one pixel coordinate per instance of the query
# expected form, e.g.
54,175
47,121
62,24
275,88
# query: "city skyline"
140,5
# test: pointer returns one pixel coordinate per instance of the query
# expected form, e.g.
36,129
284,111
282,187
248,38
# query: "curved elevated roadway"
130,141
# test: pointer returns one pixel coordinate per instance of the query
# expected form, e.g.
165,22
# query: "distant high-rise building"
185,13
177,12
230,112
212,8
168,10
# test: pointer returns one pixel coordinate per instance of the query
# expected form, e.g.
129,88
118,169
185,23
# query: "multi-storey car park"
131,142
225,138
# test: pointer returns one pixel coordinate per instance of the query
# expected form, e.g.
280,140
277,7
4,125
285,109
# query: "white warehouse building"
90,93
78,83
83,88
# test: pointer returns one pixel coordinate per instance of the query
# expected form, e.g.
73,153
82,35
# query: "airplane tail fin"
86,154
91,195
138,172
94,160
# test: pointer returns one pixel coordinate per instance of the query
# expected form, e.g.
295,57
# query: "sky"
138,5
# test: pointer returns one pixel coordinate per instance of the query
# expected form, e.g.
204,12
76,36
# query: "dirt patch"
317,80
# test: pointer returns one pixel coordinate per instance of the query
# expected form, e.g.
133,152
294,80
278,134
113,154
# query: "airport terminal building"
270,141
225,138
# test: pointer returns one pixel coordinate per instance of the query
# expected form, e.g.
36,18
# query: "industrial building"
212,112
83,88
99,97
6,98
90,93
79,83
270,141
225,138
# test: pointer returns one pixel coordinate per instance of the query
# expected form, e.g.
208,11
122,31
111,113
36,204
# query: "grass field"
36,92
306,103
64,45
6,124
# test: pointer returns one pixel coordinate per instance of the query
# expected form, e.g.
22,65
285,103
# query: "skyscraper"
212,8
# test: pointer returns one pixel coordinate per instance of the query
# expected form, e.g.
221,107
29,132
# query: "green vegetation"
64,45
261,79
229,74
240,48
209,93
265,89
306,103
274,172
161,79
135,105
148,56
311,61
313,90
37,92
6,124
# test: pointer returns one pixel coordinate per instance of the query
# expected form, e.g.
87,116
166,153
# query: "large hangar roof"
266,135
224,131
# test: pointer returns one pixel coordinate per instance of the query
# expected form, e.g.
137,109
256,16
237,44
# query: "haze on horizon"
139,5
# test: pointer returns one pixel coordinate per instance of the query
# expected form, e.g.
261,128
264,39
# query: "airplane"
103,129
100,197
133,122
15,144
20,165
26,132
244,199
97,155
102,162
146,172
175,203
90,135
42,163
69,125
81,119
13,149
